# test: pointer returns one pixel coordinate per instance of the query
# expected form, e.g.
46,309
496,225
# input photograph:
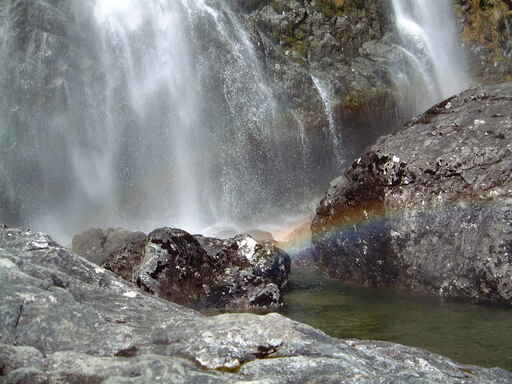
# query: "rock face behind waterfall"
66,320
429,208
347,47
354,48
237,273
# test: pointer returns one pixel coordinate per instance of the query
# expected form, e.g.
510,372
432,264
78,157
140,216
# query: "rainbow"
374,214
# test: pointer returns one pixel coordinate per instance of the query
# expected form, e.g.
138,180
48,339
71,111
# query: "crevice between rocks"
20,314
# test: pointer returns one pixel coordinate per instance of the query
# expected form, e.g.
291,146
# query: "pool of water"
467,333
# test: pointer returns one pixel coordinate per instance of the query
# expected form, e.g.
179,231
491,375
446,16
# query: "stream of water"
138,114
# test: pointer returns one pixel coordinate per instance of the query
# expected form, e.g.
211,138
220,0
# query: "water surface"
467,333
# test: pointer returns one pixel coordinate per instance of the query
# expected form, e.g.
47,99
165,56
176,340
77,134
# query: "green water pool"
467,333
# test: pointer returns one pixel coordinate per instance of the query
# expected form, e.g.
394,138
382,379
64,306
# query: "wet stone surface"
202,272
65,319
429,208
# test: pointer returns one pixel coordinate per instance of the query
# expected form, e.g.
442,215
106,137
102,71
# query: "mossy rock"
352,102
484,23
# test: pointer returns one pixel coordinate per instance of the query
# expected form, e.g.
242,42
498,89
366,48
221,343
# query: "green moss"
338,7
352,102
484,20
279,7
331,8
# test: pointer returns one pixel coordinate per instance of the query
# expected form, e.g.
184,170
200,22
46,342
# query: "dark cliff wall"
350,44
342,43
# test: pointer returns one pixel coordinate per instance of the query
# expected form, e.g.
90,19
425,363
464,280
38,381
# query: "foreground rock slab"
65,320
429,208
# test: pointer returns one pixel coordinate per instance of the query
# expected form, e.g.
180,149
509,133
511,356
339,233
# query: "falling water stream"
136,113
431,49
325,95
157,112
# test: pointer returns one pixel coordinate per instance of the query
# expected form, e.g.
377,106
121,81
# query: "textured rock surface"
118,250
248,274
348,47
66,320
487,31
429,208
236,273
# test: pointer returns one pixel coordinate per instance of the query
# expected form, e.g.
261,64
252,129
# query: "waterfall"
142,113
332,133
138,114
435,63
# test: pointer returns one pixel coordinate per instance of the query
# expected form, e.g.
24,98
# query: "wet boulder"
429,208
175,267
203,272
250,274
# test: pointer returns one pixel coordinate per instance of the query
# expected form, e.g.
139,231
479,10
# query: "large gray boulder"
429,208
66,320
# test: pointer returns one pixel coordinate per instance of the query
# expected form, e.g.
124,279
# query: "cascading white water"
145,51
141,113
333,130
431,48
134,113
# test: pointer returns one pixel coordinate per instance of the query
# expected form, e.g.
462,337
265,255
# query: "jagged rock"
236,273
64,319
350,50
429,207
249,274
175,266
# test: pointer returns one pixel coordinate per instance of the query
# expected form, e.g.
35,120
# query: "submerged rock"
236,273
429,208
64,319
